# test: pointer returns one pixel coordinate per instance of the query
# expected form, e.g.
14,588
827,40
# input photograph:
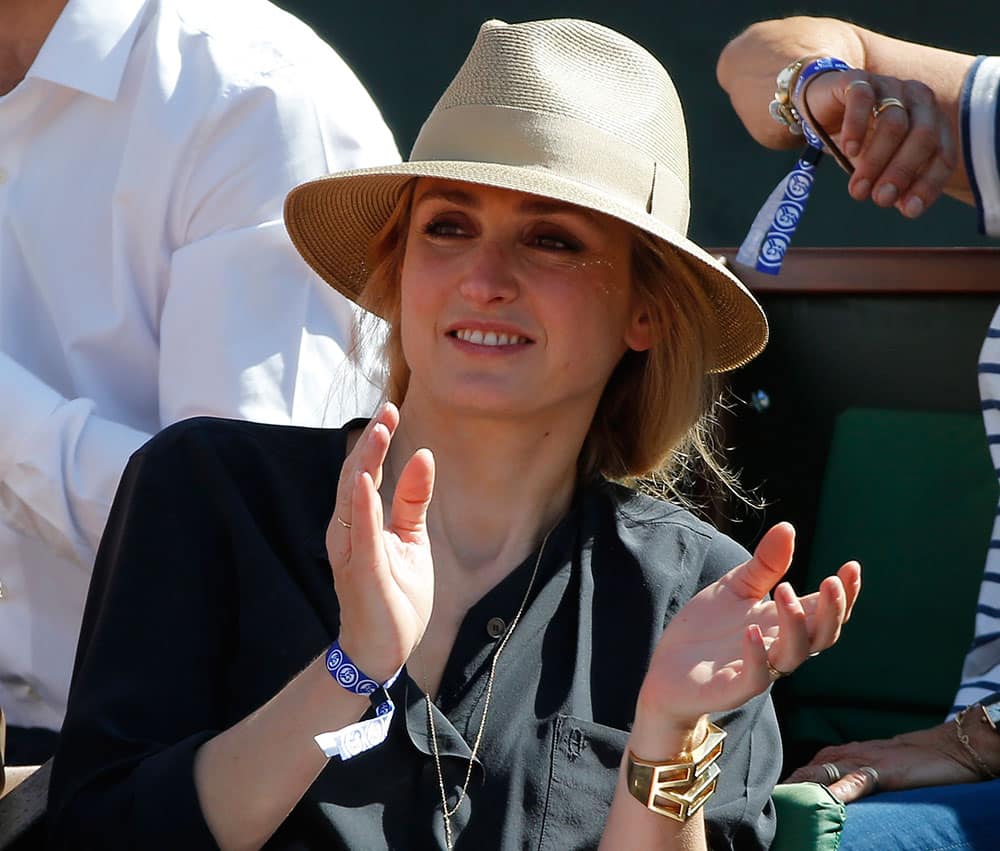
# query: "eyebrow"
538,206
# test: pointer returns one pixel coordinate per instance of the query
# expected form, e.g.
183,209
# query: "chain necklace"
447,811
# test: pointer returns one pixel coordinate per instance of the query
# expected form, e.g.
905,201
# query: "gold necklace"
445,810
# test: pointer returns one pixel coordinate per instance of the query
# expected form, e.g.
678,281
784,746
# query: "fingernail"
862,188
852,149
886,194
914,207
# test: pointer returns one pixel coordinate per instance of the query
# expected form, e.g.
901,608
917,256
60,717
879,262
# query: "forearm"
251,776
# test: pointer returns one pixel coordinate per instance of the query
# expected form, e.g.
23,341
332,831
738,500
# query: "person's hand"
728,643
383,573
904,156
932,757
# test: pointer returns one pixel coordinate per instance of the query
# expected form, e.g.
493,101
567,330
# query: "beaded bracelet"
782,107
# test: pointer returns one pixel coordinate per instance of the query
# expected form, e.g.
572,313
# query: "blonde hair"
654,423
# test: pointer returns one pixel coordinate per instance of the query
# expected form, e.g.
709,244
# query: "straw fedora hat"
565,109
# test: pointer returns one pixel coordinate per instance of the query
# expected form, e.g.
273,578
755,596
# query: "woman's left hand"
898,138
728,643
931,757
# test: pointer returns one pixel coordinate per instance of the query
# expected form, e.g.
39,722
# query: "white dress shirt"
146,275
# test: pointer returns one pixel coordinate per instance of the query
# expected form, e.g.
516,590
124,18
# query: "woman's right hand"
383,573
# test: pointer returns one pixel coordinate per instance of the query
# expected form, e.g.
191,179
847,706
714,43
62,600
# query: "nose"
490,277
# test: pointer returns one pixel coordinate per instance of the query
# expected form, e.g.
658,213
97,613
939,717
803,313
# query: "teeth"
490,338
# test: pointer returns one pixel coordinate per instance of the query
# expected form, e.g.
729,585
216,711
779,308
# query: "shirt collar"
89,46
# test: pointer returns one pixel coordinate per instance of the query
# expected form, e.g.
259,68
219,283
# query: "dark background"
406,53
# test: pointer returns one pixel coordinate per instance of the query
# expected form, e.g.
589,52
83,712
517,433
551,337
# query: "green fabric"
809,818
911,495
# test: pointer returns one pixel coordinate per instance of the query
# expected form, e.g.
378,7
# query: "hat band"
563,147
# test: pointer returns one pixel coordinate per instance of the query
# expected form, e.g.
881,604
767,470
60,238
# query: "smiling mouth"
487,338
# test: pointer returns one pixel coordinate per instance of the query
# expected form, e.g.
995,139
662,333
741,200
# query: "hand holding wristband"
365,734
771,233
680,788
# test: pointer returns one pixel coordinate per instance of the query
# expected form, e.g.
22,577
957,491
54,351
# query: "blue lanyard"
774,225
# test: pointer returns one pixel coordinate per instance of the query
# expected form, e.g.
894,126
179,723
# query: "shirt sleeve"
981,669
149,674
60,463
980,129
246,331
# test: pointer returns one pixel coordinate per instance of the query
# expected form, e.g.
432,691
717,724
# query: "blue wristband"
366,734
774,225
817,66
349,676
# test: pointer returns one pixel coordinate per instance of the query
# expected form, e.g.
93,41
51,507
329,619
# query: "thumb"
413,494
771,560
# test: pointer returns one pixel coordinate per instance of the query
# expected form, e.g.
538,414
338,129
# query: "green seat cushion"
808,817
911,495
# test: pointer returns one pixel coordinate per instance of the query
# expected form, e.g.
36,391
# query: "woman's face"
512,303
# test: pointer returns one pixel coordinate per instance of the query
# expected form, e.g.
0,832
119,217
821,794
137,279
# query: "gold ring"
343,523
774,673
832,772
885,103
854,83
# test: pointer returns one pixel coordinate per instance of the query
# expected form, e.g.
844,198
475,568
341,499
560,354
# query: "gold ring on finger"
885,103
774,673
832,772
343,523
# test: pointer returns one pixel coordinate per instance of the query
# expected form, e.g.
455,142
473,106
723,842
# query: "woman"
551,331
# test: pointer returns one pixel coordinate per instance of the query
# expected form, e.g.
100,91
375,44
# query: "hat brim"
333,219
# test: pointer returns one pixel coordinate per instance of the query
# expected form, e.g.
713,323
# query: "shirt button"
495,627
3,592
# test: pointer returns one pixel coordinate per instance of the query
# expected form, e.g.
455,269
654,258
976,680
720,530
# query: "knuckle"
901,174
918,89
895,121
925,138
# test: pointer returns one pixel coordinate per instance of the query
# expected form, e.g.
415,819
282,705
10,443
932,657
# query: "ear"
639,334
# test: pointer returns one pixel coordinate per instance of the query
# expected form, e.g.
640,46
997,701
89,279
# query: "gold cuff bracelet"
678,789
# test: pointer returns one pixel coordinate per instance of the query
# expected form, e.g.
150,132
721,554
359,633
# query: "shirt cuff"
980,128
167,811
28,401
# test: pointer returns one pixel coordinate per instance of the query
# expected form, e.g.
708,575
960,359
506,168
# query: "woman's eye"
443,227
555,242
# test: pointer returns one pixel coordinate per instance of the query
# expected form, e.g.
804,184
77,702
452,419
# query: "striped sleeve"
980,127
981,671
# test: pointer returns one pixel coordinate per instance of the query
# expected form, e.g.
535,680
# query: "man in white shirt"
146,147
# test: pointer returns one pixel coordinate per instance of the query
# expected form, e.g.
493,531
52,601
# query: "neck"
501,483
27,23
